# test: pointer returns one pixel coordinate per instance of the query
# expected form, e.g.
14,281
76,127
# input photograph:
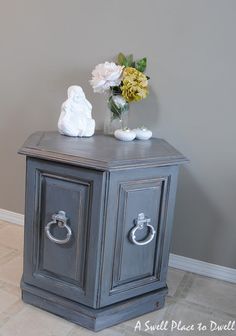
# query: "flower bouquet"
122,82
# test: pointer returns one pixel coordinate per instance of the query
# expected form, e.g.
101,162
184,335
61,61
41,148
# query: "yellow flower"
135,85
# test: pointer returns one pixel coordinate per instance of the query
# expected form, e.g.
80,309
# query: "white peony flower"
106,75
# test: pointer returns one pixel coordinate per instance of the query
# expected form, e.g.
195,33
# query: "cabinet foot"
94,319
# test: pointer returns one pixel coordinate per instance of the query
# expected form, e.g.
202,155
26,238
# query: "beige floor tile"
12,236
15,308
114,331
174,277
4,251
6,300
11,272
10,312
134,324
216,294
34,322
184,314
2,224
6,254
9,288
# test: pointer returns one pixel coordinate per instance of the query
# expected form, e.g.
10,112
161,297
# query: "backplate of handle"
141,222
59,219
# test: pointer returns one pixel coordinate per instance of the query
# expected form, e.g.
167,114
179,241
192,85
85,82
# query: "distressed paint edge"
175,261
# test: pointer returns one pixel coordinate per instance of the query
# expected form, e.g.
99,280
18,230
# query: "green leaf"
116,90
126,61
129,60
141,64
126,64
121,59
116,111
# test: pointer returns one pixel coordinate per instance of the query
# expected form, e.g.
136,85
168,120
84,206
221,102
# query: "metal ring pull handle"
59,219
140,222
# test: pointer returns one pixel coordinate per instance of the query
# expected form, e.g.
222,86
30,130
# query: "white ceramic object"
76,114
125,134
142,133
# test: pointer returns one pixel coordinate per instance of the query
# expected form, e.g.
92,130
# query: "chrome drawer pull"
60,219
140,223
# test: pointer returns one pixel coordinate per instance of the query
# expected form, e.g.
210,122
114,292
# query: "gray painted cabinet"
98,225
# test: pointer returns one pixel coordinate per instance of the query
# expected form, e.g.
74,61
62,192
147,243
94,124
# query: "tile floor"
192,299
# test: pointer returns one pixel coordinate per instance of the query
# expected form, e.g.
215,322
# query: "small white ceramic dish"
142,133
125,134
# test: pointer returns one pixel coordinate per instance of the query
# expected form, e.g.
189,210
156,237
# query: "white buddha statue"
76,114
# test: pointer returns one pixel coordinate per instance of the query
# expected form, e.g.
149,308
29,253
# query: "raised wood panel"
64,270
129,270
62,262
136,265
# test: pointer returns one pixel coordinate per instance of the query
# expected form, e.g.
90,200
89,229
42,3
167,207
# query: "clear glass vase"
117,116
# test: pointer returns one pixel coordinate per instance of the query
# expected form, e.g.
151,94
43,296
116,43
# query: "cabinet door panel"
72,196
134,198
63,269
131,268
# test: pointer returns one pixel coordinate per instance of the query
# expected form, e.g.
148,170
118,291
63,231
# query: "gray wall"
48,45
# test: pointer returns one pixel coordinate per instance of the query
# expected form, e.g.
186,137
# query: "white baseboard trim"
203,268
11,217
175,261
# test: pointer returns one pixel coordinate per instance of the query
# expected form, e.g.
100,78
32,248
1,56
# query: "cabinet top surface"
100,151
